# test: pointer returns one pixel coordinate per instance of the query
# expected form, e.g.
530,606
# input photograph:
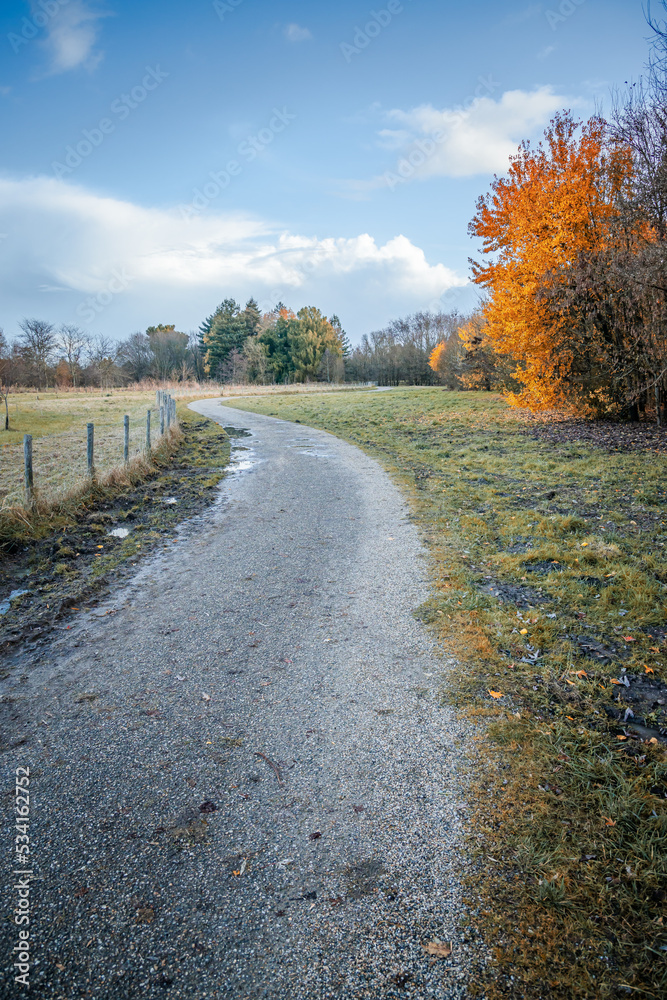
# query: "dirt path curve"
243,782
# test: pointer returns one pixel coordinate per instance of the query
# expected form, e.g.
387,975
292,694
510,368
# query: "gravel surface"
243,782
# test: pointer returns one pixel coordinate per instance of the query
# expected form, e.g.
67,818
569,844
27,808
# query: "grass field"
57,421
550,586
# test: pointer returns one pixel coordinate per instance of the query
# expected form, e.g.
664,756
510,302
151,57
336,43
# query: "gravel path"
243,783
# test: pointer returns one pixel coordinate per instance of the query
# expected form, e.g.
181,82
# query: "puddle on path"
7,603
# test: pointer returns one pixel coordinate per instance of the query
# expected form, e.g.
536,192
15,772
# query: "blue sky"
162,156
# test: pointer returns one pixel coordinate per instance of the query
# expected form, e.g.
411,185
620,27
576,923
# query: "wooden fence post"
27,462
126,439
162,420
91,450
148,432
168,412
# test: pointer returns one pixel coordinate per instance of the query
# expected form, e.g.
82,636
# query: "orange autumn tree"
558,202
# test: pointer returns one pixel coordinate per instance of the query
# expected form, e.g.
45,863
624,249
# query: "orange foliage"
436,356
558,201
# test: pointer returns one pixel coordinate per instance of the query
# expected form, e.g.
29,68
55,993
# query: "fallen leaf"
653,741
205,697
358,809
648,670
315,836
145,915
621,737
523,631
571,683
496,694
208,807
609,822
581,673
191,782
441,949
628,638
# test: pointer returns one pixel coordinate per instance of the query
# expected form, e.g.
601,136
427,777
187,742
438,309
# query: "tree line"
43,355
236,344
574,262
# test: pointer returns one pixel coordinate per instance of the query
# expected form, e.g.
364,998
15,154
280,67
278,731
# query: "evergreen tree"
346,346
226,331
252,317
277,340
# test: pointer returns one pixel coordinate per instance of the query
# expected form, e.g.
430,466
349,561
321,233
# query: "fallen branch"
271,765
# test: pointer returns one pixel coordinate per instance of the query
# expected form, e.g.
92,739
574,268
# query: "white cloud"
64,238
71,37
477,139
295,33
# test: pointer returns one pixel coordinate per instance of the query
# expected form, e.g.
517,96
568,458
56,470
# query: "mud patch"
509,593
640,707
237,432
603,650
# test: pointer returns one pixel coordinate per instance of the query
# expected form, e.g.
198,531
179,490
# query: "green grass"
549,581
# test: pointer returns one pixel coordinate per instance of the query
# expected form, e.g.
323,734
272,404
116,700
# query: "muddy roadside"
44,581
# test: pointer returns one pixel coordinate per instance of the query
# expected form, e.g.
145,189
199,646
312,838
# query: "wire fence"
52,465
